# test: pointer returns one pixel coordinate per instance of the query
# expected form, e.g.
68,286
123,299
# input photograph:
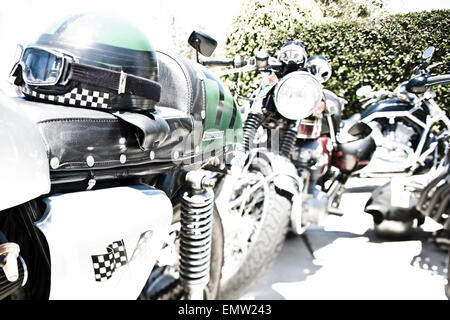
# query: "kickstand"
308,245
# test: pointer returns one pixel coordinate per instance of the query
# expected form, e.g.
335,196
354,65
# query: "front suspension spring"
288,142
250,127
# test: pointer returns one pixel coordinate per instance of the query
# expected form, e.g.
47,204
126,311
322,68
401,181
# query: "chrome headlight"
297,95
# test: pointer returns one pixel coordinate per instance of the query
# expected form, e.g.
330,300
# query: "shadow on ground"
297,261
431,256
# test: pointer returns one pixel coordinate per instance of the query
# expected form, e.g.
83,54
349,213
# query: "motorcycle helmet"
320,67
89,60
292,52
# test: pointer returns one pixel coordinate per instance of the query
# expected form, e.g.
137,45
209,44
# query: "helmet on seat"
90,60
292,52
320,67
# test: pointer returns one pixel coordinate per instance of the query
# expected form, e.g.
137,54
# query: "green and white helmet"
89,60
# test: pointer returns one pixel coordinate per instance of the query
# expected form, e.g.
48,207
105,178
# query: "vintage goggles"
43,66
40,66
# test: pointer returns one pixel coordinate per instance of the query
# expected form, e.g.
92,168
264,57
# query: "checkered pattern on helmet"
106,264
77,97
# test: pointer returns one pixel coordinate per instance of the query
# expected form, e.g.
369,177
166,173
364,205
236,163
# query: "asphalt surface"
348,261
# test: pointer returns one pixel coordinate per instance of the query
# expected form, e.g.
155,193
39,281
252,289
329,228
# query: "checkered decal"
106,264
77,97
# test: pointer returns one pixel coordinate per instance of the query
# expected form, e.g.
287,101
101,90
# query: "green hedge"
381,53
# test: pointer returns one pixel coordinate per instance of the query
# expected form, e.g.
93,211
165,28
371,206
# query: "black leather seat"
175,83
80,139
181,84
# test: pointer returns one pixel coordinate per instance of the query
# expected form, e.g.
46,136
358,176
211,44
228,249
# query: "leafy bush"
262,23
378,52
351,9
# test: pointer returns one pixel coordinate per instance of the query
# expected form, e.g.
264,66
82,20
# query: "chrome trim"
289,77
11,251
25,271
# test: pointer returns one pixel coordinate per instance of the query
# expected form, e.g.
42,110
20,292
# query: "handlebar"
238,61
242,64
218,62
437,80
421,83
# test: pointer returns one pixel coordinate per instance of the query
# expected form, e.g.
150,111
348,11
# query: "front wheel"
255,225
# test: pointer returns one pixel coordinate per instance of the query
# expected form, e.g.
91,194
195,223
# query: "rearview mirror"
202,43
428,53
360,130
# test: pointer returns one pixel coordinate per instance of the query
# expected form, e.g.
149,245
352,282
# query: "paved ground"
350,262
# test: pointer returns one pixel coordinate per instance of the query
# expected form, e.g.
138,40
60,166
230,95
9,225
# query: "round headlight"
297,95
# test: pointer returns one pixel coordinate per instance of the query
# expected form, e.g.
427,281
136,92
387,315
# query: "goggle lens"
41,67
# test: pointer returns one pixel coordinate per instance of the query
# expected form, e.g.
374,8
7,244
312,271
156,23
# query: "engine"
403,134
313,156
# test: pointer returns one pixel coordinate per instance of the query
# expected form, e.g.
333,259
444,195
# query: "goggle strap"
116,81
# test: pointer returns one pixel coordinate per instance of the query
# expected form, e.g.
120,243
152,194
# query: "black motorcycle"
402,121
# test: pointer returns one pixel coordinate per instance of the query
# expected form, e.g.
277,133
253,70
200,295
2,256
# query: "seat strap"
114,80
153,130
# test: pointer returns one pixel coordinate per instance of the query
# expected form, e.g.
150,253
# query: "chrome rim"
243,219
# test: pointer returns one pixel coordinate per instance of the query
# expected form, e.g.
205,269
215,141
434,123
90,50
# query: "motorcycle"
395,206
402,121
100,198
405,202
296,156
410,108
434,202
